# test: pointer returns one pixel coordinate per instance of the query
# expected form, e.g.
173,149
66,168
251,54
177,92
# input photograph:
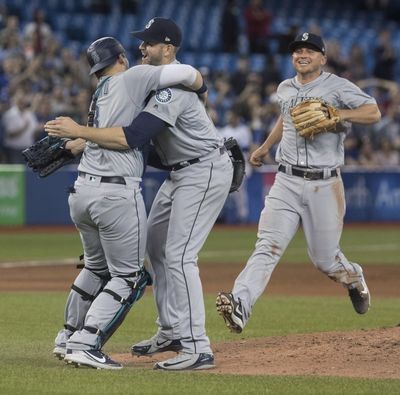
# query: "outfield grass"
367,245
29,322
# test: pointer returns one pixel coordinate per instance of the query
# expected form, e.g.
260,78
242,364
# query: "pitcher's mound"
372,353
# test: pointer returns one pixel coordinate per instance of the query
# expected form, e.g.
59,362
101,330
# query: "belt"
308,174
106,179
186,163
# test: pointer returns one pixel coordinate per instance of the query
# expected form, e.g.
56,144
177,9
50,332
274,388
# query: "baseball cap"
308,38
160,30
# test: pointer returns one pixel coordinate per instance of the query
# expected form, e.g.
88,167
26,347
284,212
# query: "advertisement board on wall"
12,195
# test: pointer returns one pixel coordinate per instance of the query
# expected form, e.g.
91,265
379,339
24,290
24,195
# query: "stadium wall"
26,199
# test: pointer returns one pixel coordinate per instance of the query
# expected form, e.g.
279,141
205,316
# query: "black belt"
186,163
308,174
109,180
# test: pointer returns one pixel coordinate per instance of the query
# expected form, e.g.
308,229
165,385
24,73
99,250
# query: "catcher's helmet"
103,52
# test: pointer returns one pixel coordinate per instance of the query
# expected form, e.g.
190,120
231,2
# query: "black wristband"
203,89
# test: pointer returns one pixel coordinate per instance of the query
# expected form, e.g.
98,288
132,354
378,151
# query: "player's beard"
155,58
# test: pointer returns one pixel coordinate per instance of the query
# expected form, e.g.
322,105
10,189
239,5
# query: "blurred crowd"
40,79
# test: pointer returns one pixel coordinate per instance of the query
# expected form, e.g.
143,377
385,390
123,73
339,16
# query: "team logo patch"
95,57
149,23
304,37
164,95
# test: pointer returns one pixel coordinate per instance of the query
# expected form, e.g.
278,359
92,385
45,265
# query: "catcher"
316,109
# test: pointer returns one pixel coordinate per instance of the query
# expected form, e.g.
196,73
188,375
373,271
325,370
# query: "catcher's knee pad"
117,298
87,285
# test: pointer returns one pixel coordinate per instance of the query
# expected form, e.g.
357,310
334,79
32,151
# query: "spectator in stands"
239,130
258,20
271,74
100,6
238,78
230,27
367,157
387,155
20,125
222,96
128,6
385,57
39,31
356,64
10,35
41,107
3,15
336,62
251,96
284,39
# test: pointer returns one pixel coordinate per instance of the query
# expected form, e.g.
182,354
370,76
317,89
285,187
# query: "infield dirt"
372,353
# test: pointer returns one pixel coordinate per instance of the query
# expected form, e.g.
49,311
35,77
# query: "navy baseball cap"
311,39
160,30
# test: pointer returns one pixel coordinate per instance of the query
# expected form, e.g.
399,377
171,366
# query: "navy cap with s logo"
308,39
160,30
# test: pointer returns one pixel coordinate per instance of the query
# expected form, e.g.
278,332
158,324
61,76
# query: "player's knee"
120,293
89,283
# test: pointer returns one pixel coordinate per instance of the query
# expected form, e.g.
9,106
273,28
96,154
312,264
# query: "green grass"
364,245
29,322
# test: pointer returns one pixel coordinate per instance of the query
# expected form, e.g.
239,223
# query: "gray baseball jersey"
308,189
192,133
108,209
327,150
121,99
183,213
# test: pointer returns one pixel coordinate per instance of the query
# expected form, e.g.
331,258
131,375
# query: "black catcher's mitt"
48,155
238,162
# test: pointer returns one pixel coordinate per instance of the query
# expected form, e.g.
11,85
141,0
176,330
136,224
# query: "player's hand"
257,157
203,97
62,127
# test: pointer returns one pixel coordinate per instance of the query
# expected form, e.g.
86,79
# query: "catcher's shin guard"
87,285
119,305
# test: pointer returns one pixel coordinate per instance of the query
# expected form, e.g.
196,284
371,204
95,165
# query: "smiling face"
308,61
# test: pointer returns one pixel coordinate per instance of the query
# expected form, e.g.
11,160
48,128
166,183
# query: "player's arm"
76,146
175,74
256,158
142,129
367,113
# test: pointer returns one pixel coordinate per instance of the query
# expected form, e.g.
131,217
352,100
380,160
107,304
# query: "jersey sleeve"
353,97
140,81
167,104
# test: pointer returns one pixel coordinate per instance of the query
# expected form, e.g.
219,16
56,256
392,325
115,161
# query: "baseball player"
308,187
186,206
107,207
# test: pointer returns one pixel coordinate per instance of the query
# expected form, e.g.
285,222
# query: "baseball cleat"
231,311
155,345
360,297
91,358
60,351
185,361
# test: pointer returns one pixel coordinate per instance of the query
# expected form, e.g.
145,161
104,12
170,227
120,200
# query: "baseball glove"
48,155
239,165
314,116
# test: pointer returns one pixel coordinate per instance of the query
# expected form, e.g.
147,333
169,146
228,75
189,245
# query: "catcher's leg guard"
87,285
109,310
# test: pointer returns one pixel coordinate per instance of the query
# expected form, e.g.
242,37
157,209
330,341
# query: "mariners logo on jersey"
164,95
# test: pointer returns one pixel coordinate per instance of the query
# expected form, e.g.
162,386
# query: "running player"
308,187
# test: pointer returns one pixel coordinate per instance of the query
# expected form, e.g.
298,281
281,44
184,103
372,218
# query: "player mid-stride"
308,187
